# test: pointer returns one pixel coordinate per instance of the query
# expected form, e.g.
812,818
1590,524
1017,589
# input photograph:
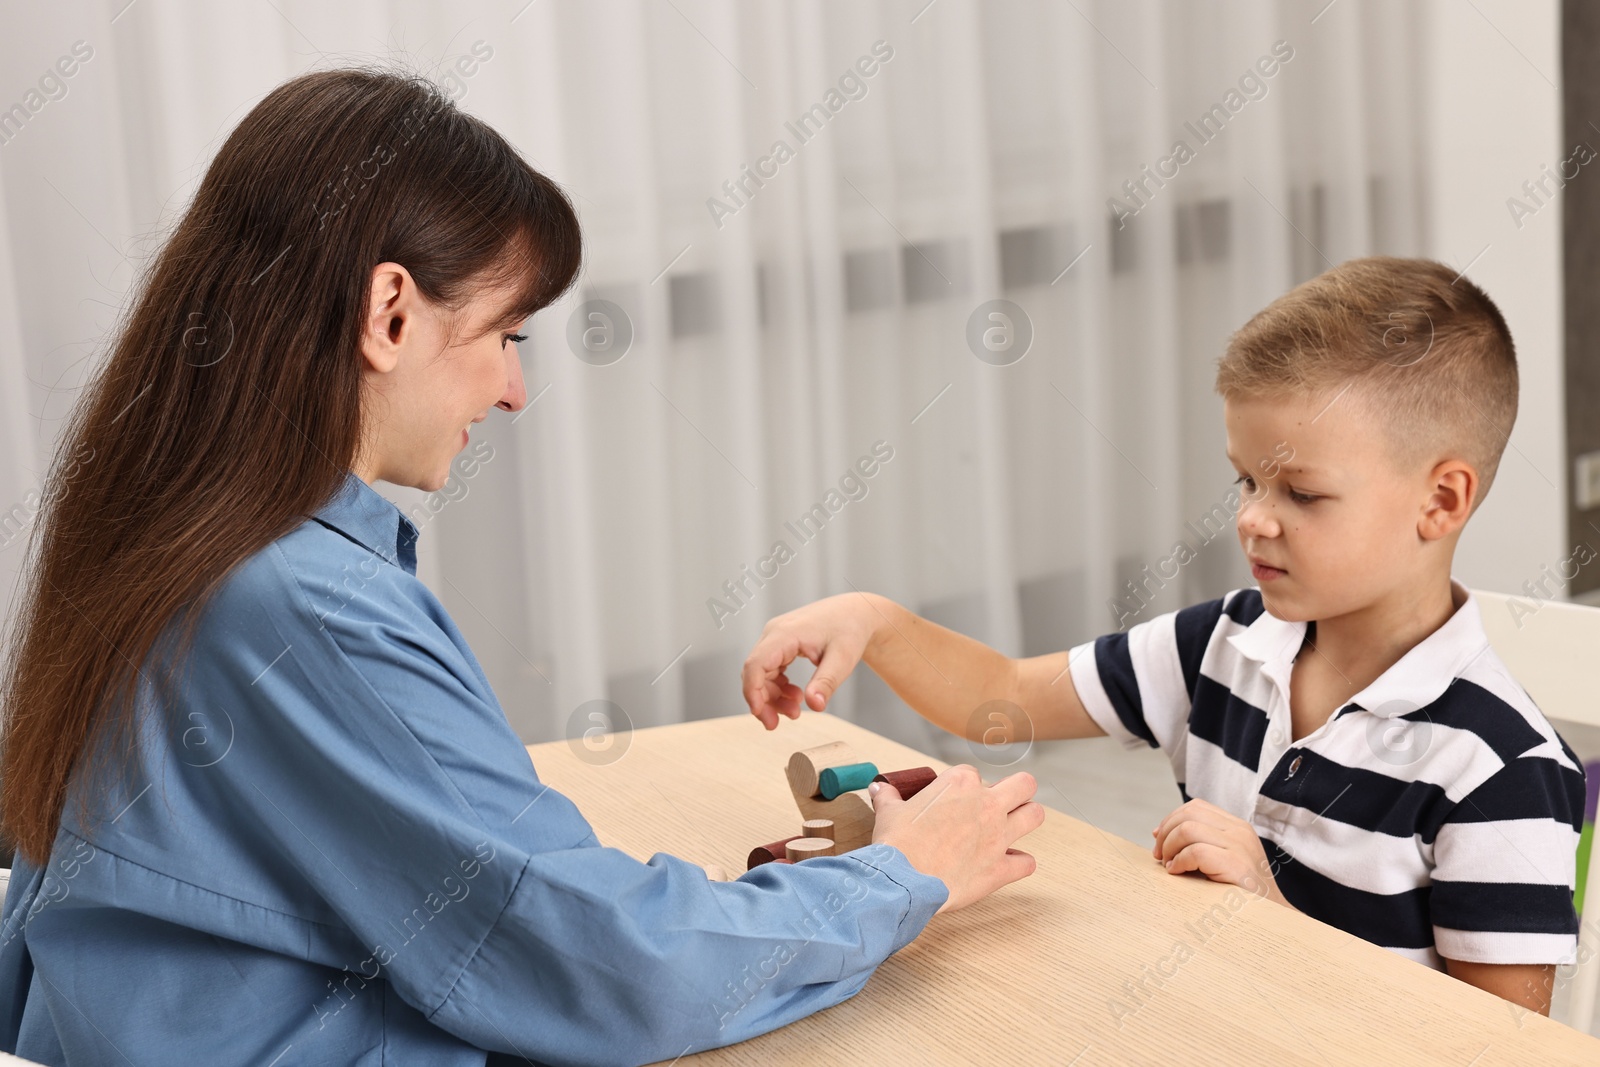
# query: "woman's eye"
1303,498
1248,482
514,338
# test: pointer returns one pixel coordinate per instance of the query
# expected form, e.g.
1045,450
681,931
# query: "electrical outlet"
1586,481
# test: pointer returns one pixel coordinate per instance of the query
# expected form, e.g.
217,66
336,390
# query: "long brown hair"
229,407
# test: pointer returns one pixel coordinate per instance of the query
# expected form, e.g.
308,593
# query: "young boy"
1352,745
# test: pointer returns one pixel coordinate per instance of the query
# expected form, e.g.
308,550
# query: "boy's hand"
1200,836
831,633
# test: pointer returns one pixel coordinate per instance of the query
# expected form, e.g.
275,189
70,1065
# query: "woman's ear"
1453,492
390,312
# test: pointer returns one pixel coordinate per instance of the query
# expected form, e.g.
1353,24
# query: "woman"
265,805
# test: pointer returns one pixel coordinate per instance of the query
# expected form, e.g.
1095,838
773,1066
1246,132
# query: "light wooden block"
851,813
817,828
806,847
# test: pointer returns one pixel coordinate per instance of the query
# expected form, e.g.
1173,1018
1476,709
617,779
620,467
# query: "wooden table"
1048,970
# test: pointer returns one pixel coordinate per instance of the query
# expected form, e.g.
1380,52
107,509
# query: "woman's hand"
1199,836
831,633
961,831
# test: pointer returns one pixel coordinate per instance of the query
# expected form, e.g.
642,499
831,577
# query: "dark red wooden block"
909,782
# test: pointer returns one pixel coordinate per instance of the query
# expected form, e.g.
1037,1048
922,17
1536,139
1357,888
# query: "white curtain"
783,331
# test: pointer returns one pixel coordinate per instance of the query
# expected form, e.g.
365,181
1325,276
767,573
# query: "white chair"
1553,650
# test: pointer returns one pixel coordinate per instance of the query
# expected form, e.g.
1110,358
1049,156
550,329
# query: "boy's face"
1329,515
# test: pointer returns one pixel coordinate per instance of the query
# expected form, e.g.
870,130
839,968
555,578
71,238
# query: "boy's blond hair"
1420,348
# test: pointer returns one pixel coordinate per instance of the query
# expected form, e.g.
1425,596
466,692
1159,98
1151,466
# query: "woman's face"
428,376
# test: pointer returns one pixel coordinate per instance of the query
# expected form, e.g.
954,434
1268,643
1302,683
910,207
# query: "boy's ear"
1453,491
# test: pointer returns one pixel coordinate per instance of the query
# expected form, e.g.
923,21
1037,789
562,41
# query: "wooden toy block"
909,782
817,828
768,853
851,813
806,766
803,848
715,873
835,780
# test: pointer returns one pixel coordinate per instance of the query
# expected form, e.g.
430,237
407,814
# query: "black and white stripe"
1436,814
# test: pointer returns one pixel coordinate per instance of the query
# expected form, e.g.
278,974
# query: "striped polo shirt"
1436,813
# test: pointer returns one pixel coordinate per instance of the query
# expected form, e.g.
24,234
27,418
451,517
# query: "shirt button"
1294,766
1277,737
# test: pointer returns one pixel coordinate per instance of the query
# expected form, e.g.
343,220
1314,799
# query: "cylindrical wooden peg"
803,848
909,783
836,780
817,828
769,853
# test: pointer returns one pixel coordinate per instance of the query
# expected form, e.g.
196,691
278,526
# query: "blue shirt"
333,849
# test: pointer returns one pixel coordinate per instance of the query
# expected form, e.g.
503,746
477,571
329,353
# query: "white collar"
1416,679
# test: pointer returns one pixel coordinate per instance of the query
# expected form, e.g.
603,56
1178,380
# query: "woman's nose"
516,394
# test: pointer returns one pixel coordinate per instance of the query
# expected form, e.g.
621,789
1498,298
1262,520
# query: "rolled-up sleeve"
375,762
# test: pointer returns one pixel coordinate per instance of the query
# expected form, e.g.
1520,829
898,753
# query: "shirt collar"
1416,679
366,517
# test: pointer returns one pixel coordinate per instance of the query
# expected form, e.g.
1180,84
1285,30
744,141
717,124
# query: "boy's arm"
945,676
1529,984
